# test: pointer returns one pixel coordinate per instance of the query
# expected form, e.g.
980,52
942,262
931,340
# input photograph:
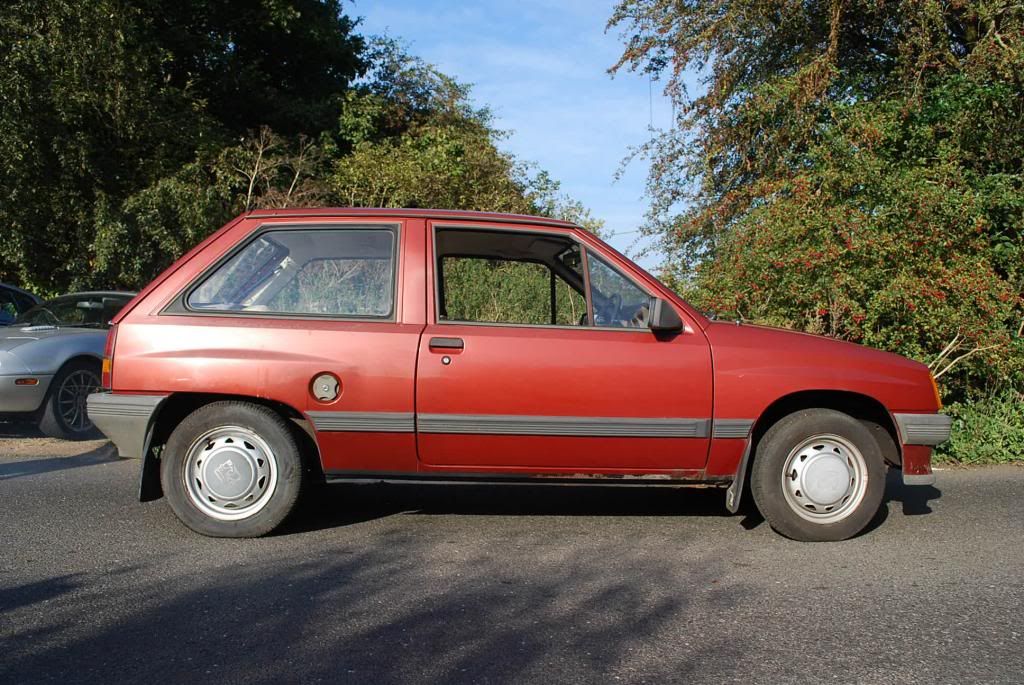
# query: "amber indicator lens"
26,381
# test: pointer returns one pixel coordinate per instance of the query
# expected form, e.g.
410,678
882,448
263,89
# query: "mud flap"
734,495
149,475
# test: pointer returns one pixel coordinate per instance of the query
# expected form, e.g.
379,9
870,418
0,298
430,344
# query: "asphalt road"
479,584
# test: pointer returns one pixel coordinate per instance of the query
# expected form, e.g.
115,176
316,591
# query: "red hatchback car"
351,344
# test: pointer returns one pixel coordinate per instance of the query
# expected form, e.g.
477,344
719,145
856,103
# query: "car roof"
96,293
93,293
8,286
368,212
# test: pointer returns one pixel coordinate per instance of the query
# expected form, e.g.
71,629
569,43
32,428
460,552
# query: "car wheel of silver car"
64,414
818,475
232,469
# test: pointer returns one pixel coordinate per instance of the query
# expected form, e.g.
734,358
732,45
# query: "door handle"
447,343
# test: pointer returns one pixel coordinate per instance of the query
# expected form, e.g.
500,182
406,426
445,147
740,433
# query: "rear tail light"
106,379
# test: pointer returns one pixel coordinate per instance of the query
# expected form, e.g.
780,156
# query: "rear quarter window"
347,272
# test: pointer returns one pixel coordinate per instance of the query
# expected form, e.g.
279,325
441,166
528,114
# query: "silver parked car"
51,360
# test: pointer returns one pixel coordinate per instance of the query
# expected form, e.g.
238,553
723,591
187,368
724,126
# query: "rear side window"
327,272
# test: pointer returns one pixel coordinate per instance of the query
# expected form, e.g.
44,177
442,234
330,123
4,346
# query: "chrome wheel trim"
71,396
230,473
825,479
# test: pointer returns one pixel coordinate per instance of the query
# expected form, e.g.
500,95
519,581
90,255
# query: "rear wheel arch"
173,410
233,468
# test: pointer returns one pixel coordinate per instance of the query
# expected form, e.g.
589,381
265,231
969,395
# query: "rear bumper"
125,419
918,434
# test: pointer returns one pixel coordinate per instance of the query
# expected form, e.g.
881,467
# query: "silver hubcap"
71,396
230,473
825,479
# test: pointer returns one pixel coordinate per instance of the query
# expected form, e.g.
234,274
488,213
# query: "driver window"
618,303
509,277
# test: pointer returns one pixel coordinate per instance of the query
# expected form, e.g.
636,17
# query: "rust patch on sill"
670,476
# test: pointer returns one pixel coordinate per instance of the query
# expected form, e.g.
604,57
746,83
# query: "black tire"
232,430
64,414
833,441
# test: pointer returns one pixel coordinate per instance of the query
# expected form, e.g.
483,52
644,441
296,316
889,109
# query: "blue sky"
542,69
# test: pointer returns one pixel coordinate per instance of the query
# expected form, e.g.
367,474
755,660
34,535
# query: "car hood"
769,341
12,337
753,360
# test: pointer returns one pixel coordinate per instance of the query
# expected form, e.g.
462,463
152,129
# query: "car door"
590,395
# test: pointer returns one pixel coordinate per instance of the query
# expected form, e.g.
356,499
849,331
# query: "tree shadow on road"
397,609
41,591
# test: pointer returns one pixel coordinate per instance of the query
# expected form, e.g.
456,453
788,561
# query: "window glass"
509,276
8,307
348,272
618,302
23,302
508,291
88,310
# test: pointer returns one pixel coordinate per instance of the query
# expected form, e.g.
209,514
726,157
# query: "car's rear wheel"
64,415
232,469
818,475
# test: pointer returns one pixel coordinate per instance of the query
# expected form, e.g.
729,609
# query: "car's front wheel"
818,475
232,469
64,415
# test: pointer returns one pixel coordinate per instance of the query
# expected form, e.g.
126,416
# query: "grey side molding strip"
732,428
525,424
578,426
363,421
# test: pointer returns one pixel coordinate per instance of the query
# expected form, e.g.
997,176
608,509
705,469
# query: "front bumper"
125,419
918,434
22,399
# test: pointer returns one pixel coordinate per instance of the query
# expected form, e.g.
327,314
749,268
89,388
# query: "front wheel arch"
48,421
866,409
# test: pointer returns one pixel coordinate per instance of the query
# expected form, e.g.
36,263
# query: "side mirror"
664,318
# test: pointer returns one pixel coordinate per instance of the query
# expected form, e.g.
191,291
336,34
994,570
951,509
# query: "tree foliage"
851,167
133,128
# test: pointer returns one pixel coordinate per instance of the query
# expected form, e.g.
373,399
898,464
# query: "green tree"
138,128
105,101
417,141
850,167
